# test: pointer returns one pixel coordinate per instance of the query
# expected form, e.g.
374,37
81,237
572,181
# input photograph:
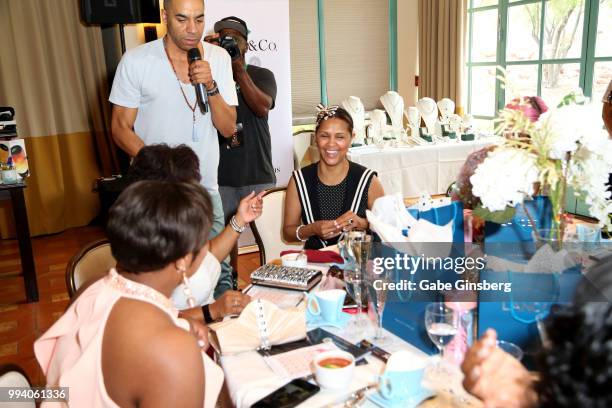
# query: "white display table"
413,170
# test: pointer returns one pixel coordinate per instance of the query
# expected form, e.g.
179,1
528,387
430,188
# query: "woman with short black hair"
181,164
121,342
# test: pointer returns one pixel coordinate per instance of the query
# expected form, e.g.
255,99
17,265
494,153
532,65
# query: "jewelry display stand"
378,124
414,120
429,112
456,124
354,107
394,105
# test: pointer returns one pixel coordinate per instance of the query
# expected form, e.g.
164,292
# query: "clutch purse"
260,326
286,277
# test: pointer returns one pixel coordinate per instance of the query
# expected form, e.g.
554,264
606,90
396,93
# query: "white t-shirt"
202,284
145,80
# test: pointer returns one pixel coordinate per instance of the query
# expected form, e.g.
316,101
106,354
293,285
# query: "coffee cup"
327,304
402,376
334,369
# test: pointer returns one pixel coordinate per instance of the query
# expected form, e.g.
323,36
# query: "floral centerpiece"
565,149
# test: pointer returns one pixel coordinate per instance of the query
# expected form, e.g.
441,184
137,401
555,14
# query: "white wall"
134,33
407,49
407,46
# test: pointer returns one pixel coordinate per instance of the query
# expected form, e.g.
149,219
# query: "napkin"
318,256
241,334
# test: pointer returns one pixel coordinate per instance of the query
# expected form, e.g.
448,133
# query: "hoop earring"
187,288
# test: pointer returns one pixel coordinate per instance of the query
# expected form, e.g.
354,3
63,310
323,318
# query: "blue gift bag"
406,319
404,313
444,215
515,315
519,228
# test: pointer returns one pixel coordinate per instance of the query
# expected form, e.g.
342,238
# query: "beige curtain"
52,70
442,47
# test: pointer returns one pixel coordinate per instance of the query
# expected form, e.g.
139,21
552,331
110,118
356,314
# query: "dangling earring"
186,288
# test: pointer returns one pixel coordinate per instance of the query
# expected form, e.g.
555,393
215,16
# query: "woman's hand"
496,377
199,331
250,208
230,303
349,221
326,229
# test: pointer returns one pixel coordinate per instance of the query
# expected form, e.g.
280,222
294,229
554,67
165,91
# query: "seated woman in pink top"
121,342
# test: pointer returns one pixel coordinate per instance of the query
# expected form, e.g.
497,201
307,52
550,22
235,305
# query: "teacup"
402,377
327,304
334,369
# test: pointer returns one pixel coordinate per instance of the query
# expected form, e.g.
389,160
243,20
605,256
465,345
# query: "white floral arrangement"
565,147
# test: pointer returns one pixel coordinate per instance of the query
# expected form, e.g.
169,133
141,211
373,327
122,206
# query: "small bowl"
511,348
296,260
334,378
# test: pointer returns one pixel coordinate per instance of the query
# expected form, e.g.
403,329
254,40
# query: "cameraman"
245,163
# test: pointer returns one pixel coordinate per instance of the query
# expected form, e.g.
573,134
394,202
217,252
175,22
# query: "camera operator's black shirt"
250,163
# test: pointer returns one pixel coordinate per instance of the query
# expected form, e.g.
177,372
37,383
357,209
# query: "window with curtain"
305,78
547,47
357,50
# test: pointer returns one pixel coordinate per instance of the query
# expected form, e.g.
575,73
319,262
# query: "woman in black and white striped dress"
330,196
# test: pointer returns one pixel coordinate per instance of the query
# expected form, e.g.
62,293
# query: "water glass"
441,324
377,297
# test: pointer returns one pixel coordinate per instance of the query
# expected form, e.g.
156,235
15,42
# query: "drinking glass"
377,298
441,326
358,248
511,348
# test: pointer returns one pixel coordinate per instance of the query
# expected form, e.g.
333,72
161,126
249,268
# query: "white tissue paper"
389,218
545,260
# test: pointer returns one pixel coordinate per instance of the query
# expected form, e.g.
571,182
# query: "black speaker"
120,11
150,33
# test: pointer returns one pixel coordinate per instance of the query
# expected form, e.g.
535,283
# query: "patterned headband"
326,112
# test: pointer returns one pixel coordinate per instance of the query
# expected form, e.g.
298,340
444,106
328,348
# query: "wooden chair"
12,376
267,229
92,262
301,143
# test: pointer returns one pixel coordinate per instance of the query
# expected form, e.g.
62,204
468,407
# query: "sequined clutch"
286,277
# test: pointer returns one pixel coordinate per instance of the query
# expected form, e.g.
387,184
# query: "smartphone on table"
289,396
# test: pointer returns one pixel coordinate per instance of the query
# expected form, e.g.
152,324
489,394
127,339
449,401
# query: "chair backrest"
12,376
301,143
267,229
91,262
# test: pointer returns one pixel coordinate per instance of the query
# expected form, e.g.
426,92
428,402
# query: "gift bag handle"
540,315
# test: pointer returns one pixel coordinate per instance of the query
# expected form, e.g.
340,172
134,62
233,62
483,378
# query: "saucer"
317,321
411,402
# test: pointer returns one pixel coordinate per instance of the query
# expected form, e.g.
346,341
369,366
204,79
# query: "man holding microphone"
154,99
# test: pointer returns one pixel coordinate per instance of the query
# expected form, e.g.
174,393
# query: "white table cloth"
413,170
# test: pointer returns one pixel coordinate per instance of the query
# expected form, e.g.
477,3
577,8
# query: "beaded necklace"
194,132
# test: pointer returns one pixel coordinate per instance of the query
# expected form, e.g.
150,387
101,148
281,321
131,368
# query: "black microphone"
194,55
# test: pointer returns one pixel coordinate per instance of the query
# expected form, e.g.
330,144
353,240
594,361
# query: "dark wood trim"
22,228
